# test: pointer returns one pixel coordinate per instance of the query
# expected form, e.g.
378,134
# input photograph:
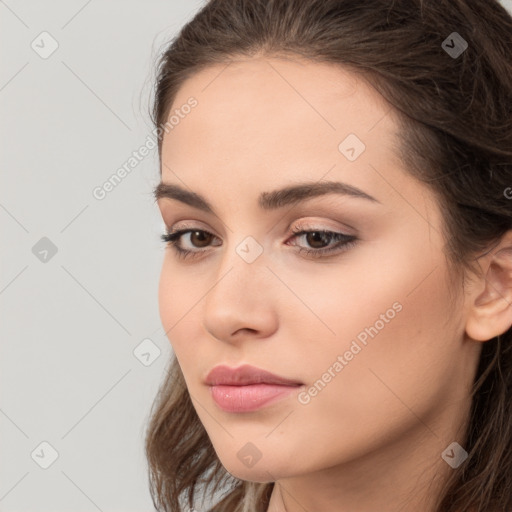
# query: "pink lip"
247,388
248,398
245,374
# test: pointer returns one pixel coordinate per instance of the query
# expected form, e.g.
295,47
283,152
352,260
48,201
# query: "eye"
318,239
199,236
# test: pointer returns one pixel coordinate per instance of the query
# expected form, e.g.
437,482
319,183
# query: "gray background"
69,325
71,321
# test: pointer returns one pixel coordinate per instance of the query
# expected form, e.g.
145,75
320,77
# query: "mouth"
247,388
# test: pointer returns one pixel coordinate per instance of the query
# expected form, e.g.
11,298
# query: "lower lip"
248,398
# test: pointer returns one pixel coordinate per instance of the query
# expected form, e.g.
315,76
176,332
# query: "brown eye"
200,238
195,238
317,242
318,239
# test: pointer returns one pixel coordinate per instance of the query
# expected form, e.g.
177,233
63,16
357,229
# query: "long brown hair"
455,113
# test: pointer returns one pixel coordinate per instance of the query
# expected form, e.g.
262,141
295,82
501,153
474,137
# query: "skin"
372,438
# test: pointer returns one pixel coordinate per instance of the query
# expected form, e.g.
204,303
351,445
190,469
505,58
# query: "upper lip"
244,375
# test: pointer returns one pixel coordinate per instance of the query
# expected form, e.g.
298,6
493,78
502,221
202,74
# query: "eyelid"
306,222
318,224
321,207
192,224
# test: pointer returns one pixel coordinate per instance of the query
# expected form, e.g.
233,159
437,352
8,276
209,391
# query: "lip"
246,374
247,388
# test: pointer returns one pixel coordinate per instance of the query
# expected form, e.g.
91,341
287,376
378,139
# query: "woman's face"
371,330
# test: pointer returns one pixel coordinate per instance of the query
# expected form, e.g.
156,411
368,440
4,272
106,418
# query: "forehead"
264,119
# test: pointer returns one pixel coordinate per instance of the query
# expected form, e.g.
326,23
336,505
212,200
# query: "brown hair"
455,114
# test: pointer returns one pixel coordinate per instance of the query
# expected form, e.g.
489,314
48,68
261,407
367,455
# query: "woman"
337,284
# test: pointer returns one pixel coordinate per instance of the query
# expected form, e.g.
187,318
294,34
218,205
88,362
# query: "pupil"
317,236
202,235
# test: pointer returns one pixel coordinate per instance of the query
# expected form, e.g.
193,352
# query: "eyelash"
345,242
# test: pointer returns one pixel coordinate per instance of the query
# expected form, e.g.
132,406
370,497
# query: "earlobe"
490,310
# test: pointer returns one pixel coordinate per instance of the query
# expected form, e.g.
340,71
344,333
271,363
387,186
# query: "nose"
241,301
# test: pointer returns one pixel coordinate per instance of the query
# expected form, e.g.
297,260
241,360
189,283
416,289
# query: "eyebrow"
273,200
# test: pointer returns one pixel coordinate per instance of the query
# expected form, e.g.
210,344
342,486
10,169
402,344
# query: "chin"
255,475
261,472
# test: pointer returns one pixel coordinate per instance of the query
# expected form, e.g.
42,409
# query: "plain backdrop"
82,347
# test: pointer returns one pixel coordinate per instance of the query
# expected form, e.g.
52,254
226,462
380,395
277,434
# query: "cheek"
167,296
403,372
177,297
398,349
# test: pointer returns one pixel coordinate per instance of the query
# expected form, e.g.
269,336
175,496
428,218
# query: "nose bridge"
239,297
242,269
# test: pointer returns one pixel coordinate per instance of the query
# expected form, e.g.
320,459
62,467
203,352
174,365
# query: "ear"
490,296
